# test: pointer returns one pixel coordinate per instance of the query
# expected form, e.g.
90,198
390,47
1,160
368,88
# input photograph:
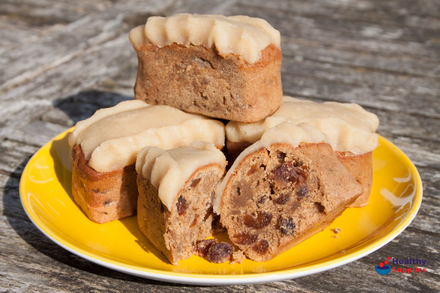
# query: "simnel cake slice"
105,147
176,191
350,130
283,189
227,67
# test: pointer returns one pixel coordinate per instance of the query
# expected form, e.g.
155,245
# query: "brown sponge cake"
280,191
105,147
176,189
349,128
360,167
222,67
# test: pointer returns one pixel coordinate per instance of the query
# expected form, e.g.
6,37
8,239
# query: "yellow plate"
45,194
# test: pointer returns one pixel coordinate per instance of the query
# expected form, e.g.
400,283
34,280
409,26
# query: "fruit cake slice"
105,148
176,191
349,128
227,67
282,190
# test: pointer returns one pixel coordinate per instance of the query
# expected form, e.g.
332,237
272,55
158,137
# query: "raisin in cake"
350,130
105,148
283,189
176,189
218,66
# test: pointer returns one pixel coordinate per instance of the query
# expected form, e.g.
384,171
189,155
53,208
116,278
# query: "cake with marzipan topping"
218,66
350,130
176,191
283,189
105,147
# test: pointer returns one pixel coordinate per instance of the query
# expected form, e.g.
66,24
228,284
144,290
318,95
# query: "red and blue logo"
383,268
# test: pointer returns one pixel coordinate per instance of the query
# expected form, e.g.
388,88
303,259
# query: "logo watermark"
388,266
383,268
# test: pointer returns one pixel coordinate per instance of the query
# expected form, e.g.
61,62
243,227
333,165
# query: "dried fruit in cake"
283,189
176,189
105,148
350,130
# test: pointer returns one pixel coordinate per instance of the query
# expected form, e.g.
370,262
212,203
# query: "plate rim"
224,279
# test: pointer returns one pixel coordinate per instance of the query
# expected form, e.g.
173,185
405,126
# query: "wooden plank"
406,84
428,217
63,45
58,48
395,124
386,98
46,12
201,7
15,32
347,35
11,206
304,49
392,13
14,157
18,113
46,131
65,80
422,153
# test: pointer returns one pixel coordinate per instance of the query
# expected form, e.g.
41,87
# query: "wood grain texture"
60,61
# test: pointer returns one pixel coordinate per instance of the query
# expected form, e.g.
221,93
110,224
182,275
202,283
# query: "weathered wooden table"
62,60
